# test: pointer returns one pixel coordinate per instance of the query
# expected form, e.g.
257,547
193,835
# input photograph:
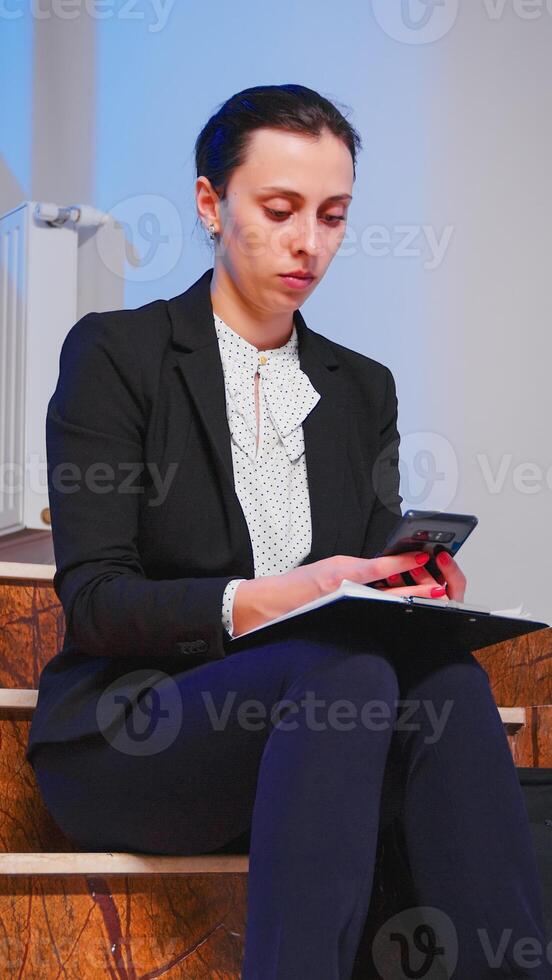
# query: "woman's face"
265,232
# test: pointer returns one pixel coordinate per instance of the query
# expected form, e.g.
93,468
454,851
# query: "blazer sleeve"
385,476
95,431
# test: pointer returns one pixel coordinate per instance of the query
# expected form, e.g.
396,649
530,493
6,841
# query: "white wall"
456,130
488,307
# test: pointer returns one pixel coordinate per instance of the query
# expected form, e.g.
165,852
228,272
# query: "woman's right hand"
258,600
328,573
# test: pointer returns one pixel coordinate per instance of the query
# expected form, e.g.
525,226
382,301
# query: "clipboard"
405,619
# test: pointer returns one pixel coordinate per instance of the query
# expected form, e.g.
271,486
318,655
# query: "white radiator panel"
12,381
51,312
40,300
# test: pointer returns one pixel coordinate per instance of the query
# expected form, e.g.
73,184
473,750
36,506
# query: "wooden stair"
86,914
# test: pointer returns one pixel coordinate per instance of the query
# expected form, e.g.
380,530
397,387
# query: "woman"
251,465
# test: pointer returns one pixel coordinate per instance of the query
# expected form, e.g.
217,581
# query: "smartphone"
432,531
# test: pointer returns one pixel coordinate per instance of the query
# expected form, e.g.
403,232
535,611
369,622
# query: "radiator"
53,270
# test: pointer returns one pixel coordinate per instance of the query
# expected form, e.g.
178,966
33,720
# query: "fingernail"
421,557
443,558
394,578
437,591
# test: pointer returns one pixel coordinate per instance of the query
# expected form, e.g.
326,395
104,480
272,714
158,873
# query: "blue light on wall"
16,105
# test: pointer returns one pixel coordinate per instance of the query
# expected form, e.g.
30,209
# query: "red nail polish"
394,578
438,591
443,558
421,557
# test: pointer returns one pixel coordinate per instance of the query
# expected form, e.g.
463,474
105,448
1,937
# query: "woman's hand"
258,600
451,577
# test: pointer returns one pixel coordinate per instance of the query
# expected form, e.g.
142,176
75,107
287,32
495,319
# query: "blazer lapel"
198,361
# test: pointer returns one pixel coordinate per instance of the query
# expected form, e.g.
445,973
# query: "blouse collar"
289,393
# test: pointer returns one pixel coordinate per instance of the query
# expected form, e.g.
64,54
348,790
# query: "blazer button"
192,646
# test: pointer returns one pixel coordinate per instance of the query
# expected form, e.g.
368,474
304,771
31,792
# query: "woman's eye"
280,215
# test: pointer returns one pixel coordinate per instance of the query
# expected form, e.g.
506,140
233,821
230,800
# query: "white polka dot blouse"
270,471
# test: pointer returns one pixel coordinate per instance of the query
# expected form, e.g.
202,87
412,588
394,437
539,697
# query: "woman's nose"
307,236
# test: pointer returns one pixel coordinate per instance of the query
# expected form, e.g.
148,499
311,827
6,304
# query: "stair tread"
25,699
26,570
122,863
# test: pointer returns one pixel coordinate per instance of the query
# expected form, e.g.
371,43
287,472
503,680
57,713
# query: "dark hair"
224,140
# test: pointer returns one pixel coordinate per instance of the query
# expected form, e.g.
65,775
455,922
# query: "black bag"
537,790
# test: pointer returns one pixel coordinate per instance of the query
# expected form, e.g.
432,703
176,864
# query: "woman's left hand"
452,577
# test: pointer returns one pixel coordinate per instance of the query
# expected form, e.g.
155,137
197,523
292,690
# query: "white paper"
519,612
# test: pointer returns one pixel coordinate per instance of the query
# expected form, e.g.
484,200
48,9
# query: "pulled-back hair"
223,142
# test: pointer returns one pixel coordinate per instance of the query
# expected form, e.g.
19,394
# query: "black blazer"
147,527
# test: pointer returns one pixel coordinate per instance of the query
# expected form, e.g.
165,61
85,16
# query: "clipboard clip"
418,600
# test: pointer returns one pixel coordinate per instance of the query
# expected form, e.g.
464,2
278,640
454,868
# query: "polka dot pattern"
271,476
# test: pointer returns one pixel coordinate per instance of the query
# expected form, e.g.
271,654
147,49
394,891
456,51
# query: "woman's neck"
264,332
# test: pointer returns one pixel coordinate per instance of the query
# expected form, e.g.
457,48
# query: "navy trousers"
287,739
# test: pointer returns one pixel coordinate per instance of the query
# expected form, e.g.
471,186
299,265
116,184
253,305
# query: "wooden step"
101,921
32,625
121,863
19,571
20,703
27,826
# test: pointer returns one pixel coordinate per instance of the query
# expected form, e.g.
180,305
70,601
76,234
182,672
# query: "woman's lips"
295,283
